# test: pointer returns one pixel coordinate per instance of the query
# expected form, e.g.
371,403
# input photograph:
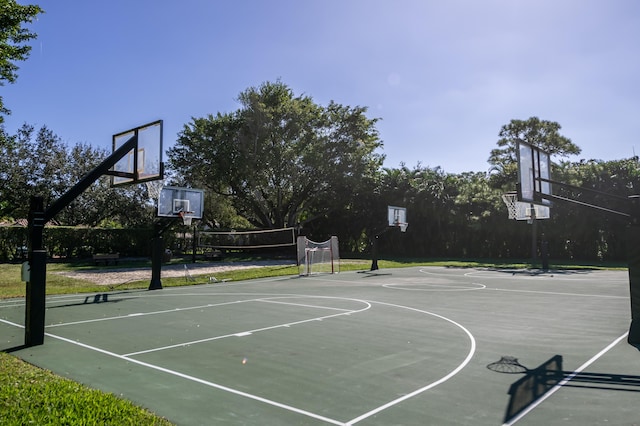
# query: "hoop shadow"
540,380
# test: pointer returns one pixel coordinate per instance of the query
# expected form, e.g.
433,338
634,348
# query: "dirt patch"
120,276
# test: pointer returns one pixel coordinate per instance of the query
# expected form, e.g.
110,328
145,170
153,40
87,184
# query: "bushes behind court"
72,242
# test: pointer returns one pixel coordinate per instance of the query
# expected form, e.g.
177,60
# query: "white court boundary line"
557,293
464,363
565,381
364,416
481,274
435,287
198,380
556,276
257,330
4,321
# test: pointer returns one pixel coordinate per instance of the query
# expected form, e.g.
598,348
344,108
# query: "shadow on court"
538,382
98,298
541,272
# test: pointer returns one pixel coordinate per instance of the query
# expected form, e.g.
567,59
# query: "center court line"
565,381
201,381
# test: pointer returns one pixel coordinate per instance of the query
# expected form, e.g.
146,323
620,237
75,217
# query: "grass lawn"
30,395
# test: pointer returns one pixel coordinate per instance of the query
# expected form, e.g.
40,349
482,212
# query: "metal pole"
374,253
194,244
633,252
157,250
534,237
36,286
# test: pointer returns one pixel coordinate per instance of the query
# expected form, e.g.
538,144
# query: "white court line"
553,276
464,363
565,381
435,287
304,306
11,323
249,332
140,314
294,409
557,276
10,303
201,381
557,293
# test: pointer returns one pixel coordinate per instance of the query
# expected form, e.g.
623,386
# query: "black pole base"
155,285
374,253
157,249
634,333
374,265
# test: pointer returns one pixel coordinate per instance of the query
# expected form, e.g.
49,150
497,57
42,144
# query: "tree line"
282,160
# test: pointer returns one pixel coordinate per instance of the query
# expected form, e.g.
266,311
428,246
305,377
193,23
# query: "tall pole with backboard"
535,186
39,216
396,218
174,203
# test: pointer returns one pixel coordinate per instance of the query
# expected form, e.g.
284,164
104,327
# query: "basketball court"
414,346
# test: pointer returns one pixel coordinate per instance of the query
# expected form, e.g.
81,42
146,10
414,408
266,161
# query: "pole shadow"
538,381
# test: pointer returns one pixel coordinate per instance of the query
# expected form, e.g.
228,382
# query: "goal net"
314,258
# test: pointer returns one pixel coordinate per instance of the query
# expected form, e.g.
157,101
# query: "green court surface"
396,347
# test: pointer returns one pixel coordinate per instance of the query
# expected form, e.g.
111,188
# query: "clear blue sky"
443,76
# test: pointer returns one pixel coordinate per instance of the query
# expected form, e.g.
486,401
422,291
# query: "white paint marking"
431,385
273,327
203,382
139,314
305,306
11,323
565,381
556,293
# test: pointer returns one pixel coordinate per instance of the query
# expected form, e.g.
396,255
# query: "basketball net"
510,199
186,219
401,225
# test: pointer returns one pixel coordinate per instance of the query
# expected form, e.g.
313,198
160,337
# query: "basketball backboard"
534,173
144,162
397,216
181,202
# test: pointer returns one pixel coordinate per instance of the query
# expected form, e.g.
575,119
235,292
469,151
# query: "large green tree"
281,159
13,39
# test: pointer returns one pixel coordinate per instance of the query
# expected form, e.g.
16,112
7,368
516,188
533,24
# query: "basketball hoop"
524,210
510,199
403,226
186,217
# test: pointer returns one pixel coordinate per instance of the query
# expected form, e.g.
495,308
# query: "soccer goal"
314,258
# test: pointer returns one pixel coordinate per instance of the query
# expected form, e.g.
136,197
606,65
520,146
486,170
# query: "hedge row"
70,242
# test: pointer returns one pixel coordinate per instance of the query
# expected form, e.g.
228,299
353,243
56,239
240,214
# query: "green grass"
30,395
11,286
